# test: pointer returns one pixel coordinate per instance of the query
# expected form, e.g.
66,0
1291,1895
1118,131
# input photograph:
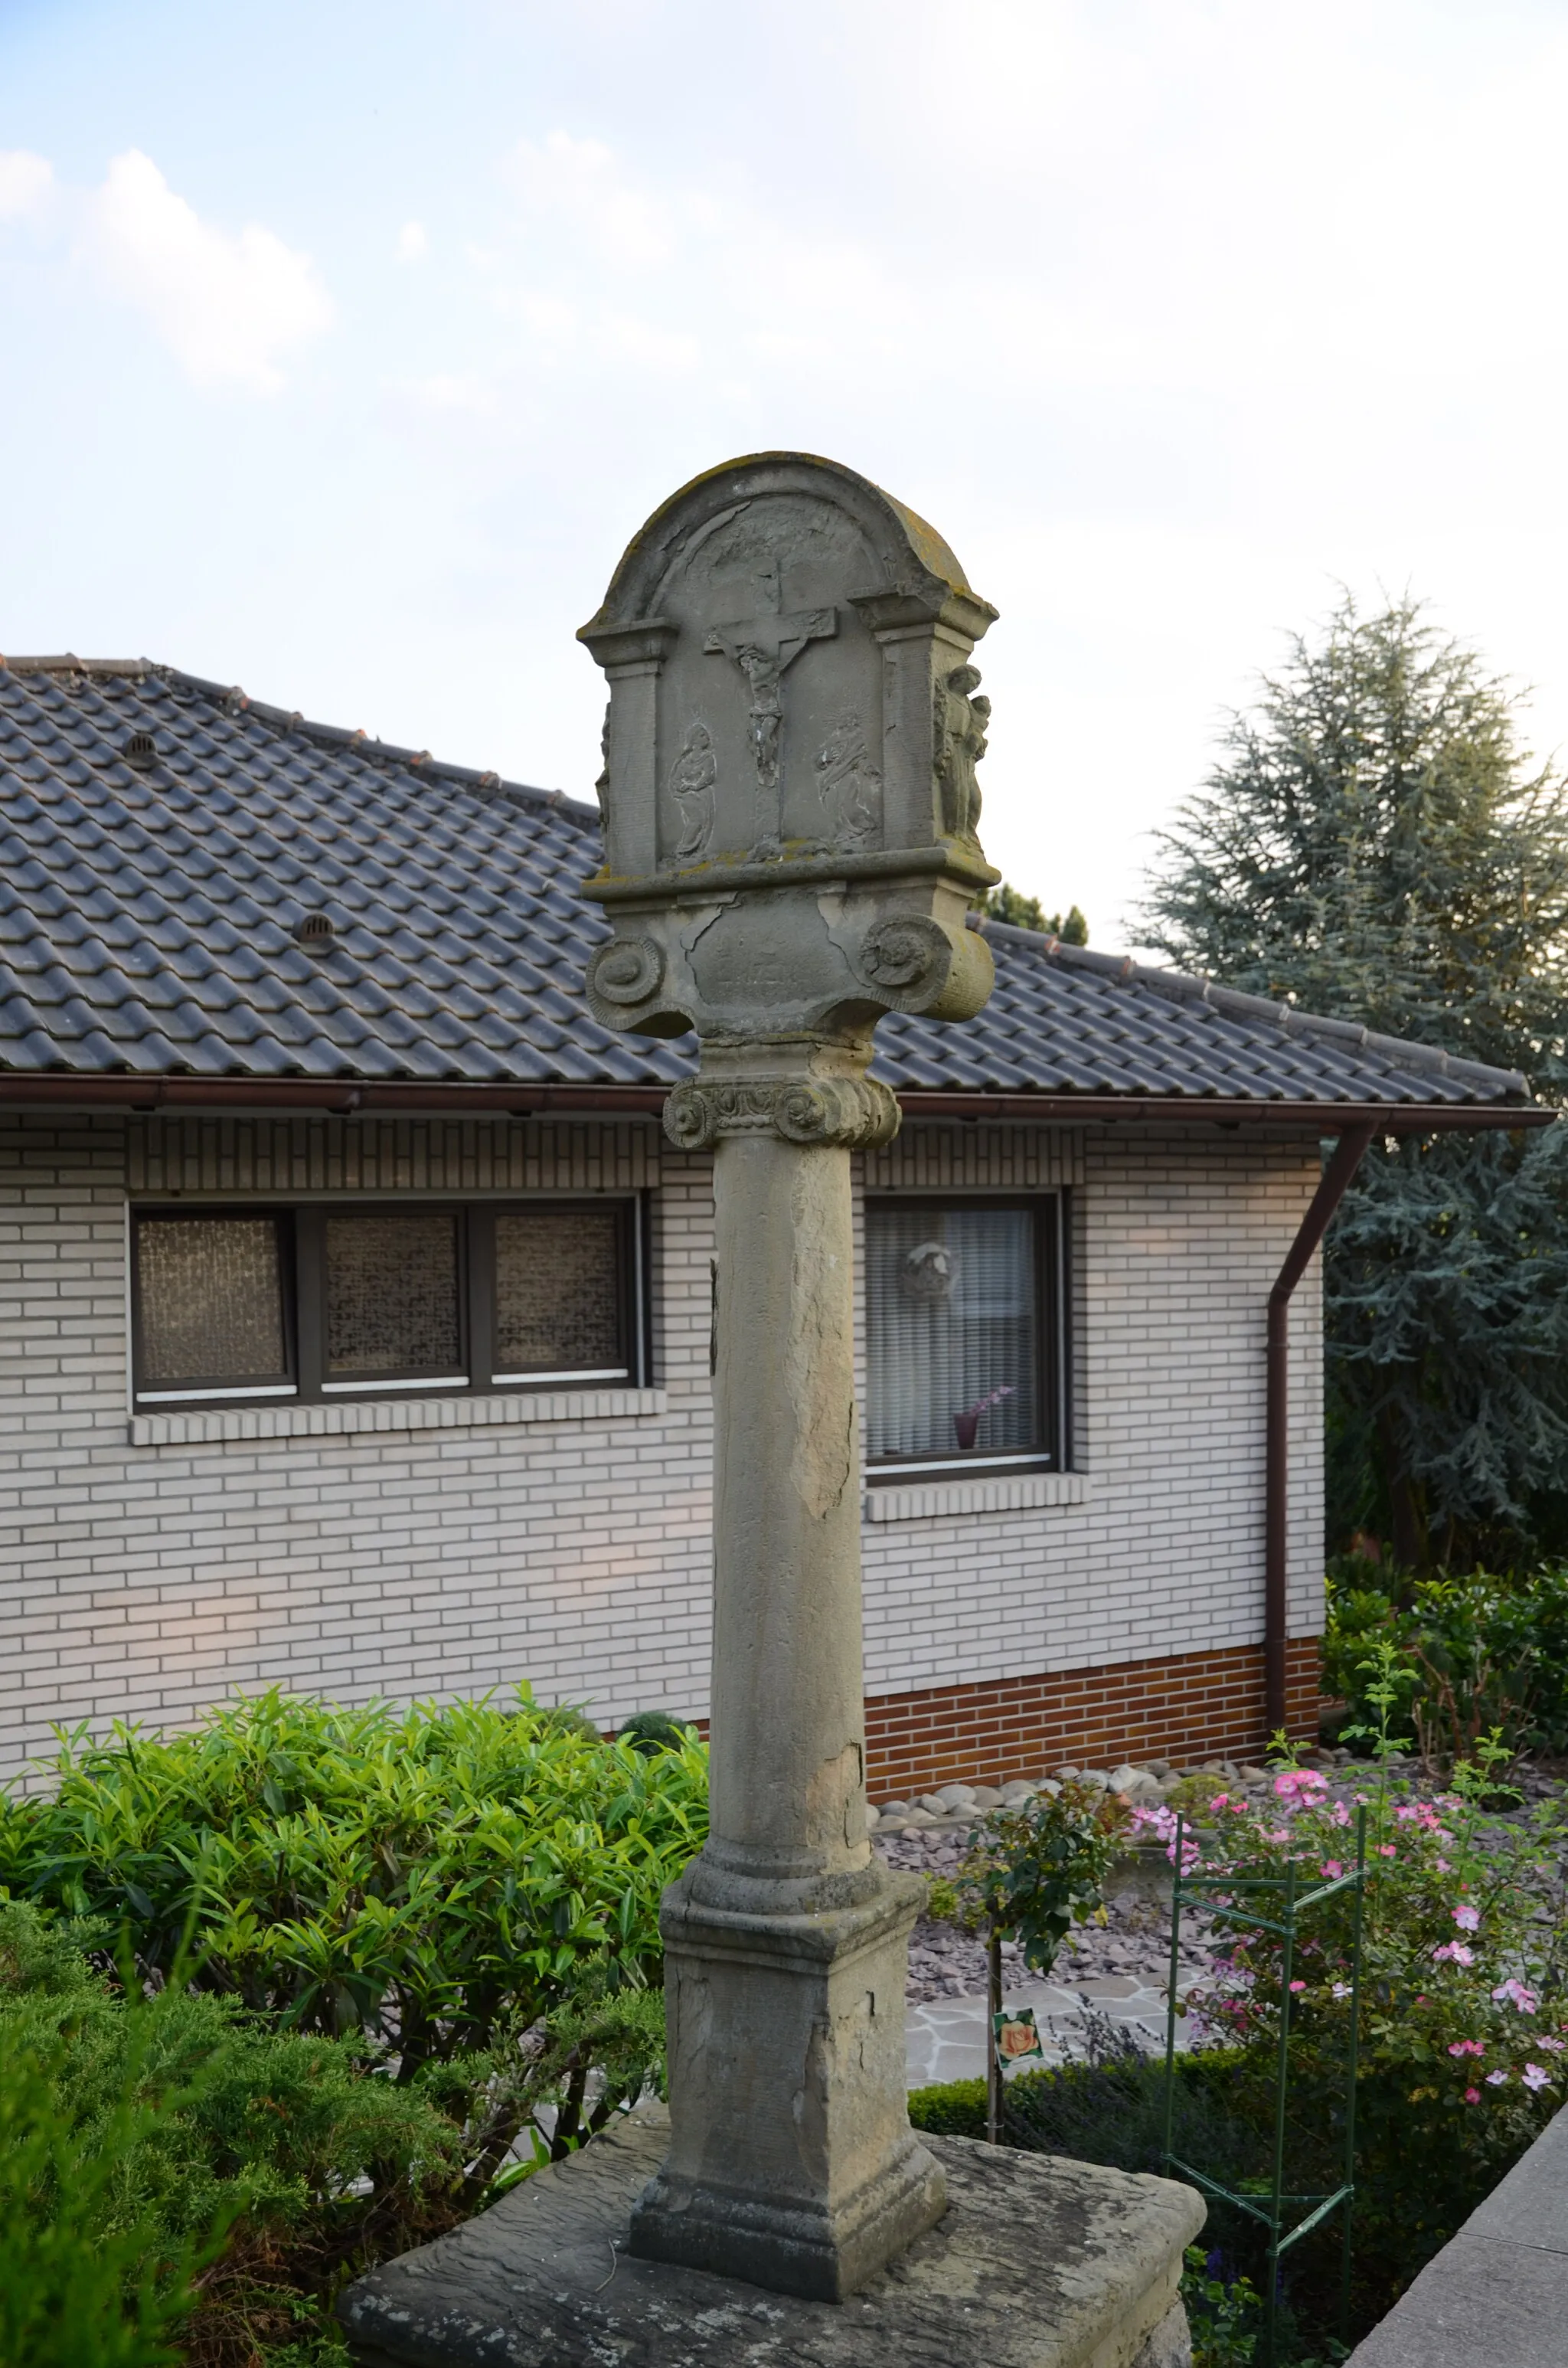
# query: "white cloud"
464,390
226,305
26,183
576,186
412,242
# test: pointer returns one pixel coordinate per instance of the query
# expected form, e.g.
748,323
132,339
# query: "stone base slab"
1039,2263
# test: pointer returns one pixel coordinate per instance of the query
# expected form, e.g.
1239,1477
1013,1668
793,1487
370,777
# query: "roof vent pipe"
141,748
315,933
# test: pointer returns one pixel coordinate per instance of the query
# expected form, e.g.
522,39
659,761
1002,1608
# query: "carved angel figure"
692,779
848,783
961,724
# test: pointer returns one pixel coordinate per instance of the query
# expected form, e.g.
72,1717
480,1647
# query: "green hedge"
953,2109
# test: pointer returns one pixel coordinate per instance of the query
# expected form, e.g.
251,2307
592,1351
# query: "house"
355,1309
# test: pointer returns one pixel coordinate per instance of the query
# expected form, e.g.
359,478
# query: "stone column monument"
790,850
789,809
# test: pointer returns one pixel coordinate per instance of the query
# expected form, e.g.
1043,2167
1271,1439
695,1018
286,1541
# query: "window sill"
337,1418
937,1500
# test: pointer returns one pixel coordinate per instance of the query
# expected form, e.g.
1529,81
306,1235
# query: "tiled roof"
148,906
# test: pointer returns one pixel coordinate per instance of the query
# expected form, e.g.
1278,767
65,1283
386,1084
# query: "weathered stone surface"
1496,2296
1039,2263
792,849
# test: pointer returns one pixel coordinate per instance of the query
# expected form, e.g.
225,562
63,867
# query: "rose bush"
1463,2031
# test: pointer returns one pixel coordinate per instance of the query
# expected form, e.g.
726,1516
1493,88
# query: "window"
327,1302
965,1310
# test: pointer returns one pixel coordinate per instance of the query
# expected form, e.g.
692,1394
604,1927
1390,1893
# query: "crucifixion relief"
764,647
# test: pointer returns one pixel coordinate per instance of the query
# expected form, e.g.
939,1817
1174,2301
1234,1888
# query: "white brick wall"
148,1579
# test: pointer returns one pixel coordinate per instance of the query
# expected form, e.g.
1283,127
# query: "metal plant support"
1223,1896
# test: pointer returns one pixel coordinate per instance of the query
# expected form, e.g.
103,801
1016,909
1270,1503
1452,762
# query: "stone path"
945,2038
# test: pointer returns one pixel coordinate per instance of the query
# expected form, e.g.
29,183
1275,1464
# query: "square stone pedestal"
1037,2263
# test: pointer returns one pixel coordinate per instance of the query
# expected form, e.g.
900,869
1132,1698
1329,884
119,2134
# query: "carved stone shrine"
790,850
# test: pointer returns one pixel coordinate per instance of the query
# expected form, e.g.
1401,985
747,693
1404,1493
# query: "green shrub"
1481,1653
89,2275
952,2108
1037,1871
654,1730
431,1878
468,1896
174,2156
1224,2315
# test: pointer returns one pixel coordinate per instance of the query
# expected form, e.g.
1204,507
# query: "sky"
343,346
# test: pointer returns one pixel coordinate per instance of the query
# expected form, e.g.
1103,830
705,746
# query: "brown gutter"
346,1095
1213,1110
1332,1187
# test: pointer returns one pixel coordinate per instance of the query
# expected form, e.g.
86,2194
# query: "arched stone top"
909,564
790,793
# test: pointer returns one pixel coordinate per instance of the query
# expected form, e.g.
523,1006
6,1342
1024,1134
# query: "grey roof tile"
146,919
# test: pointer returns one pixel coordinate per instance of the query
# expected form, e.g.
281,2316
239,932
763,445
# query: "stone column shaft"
787,1768
791,2159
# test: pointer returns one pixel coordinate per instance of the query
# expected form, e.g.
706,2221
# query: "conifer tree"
1010,904
1375,843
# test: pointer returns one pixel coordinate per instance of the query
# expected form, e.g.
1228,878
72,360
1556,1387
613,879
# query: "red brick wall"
1193,1706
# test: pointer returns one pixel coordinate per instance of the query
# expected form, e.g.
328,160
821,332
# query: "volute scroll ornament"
844,1113
626,972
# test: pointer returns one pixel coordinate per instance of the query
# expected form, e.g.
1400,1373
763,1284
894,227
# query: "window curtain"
953,1324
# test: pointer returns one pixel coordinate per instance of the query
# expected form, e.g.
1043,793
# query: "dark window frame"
1052,1213
301,1235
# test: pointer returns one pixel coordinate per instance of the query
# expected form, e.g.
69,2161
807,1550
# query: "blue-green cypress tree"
1375,842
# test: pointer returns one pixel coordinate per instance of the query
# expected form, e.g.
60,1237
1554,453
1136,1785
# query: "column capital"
849,1113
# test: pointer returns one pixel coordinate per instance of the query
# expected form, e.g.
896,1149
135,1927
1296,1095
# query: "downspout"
1331,1190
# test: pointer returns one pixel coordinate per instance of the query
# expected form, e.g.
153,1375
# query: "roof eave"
347,1097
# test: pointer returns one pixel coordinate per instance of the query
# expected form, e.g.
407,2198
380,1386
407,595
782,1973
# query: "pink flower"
1472,2096
1298,1986
1331,1868
1443,1866
1467,2047
1496,2079
1386,1849
1457,1950
1341,1989
1523,1998
1300,1785
1467,1918
1554,2045
1339,1815
1535,2075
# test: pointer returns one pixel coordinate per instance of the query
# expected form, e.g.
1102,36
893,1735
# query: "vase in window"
966,1425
